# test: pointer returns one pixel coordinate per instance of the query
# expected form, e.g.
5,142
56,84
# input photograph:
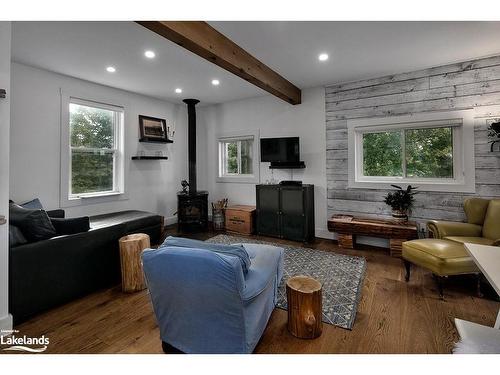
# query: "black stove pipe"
192,143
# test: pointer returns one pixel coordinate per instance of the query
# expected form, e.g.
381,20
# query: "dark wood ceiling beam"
205,41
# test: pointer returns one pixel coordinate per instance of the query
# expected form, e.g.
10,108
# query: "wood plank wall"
472,84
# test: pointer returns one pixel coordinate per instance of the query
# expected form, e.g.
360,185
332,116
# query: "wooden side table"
131,247
304,299
347,227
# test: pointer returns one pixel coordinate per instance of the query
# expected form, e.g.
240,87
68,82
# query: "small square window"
236,157
237,161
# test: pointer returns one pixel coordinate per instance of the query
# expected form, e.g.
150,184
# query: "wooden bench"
348,227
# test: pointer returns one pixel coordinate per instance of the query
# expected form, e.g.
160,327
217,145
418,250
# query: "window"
410,153
430,153
238,158
95,162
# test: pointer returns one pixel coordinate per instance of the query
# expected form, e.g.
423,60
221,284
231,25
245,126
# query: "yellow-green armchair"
482,227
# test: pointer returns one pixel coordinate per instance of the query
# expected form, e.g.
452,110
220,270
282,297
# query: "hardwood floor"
393,316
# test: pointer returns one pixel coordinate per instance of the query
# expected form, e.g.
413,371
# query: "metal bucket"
218,219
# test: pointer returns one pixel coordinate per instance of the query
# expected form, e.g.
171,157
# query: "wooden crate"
240,219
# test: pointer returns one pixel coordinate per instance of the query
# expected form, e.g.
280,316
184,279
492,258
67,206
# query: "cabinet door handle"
2,220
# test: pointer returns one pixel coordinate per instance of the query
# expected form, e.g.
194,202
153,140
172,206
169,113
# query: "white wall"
35,144
5,38
273,118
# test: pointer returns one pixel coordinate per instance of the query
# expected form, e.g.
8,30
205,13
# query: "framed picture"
494,135
153,129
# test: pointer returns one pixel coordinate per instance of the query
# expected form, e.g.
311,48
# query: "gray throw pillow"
16,237
33,204
35,224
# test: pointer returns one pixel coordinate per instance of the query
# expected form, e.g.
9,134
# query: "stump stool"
131,247
303,295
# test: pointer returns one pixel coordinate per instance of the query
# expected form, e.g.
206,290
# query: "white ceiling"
357,50
85,49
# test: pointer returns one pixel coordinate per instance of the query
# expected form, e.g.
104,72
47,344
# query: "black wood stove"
192,211
192,205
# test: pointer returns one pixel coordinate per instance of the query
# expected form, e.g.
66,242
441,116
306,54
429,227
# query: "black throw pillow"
71,226
58,213
16,237
35,224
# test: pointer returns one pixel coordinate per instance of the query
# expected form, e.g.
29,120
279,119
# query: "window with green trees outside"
236,156
94,149
409,153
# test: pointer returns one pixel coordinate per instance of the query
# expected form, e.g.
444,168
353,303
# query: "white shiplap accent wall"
472,84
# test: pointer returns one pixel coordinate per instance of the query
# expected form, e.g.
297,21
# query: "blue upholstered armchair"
205,303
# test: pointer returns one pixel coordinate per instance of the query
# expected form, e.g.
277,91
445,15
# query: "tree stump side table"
131,247
304,301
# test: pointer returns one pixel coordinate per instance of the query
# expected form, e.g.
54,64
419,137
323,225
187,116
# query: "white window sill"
95,195
87,199
437,186
242,179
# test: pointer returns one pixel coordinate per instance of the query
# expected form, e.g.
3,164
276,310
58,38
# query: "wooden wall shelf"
287,165
148,140
149,157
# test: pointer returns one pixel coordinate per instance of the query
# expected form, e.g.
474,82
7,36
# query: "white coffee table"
487,258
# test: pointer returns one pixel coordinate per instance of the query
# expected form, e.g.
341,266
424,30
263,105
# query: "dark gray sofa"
49,273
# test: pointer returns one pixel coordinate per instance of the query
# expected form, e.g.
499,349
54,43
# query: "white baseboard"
6,323
324,233
170,220
371,241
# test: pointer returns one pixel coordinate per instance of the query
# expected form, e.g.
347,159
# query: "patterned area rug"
341,275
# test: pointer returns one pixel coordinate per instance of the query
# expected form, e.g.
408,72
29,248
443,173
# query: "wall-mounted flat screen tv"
279,149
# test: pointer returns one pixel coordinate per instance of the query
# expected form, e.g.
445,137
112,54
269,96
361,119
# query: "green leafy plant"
401,199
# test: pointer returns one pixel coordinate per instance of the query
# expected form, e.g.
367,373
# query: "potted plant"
401,201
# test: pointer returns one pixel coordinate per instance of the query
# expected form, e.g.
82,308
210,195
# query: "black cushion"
56,213
16,237
71,226
35,224
134,220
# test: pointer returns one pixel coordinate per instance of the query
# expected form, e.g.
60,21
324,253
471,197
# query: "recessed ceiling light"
150,54
215,82
323,57
111,69
178,91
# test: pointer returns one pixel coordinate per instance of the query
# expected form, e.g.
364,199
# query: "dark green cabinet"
286,211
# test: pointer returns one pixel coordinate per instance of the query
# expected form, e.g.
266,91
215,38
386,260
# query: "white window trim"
253,178
119,178
463,151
